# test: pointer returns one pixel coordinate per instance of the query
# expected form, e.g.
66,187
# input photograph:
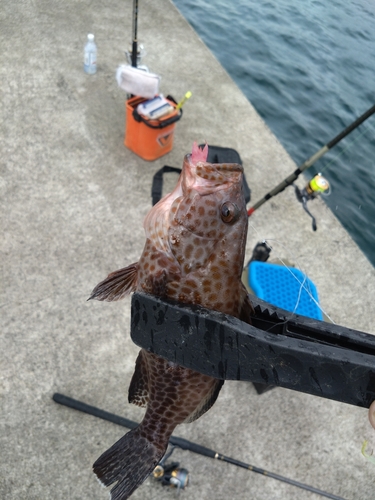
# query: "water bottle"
90,55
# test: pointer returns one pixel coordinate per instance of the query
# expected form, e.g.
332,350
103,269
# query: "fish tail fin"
128,462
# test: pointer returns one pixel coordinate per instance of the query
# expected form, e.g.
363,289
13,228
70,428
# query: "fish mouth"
209,177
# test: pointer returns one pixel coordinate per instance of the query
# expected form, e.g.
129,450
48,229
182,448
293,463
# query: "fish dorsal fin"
117,284
138,389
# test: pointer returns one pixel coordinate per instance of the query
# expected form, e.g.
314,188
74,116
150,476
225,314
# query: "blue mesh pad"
278,285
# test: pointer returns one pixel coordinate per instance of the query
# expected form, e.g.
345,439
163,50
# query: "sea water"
309,70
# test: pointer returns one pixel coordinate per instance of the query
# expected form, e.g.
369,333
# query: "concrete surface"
73,199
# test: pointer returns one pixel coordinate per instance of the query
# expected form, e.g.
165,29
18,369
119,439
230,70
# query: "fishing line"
294,176
267,240
288,181
298,266
359,136
302,287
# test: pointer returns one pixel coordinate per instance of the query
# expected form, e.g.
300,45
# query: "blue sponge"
281,286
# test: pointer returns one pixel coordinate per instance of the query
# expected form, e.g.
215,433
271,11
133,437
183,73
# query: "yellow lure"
184,99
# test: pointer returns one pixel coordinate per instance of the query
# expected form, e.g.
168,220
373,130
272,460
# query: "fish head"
195,244
204,219
211,204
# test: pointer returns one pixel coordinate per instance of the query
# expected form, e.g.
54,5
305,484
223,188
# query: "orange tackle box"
149,138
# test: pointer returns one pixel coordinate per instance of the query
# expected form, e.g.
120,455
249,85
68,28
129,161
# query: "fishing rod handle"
93,410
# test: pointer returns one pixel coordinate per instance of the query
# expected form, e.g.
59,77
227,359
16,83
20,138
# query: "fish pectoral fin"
206,402
117,284
138,390
247,309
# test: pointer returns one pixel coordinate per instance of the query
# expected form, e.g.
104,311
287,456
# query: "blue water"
309,70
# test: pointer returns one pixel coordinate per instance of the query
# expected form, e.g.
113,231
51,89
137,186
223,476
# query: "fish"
193,254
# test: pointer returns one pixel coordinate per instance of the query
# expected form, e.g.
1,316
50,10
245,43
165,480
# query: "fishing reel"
317,185
171,474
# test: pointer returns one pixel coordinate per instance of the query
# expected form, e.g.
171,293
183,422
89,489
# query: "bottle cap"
90,37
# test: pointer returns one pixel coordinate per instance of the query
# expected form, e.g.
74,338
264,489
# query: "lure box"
149,138
155,108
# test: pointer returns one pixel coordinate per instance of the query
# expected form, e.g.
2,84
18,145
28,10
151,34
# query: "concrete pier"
73,199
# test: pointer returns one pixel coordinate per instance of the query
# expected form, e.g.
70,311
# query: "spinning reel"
317,185
171,474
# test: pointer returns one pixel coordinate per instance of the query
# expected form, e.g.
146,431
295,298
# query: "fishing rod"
184,444
307,164
135,27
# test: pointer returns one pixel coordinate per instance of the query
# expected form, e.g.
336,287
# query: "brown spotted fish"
194,253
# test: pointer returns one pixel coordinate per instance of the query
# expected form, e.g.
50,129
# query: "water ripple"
308,68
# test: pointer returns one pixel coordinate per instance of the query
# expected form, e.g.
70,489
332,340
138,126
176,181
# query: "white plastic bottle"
90,55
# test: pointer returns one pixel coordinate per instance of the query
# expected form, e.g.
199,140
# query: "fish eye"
229,212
